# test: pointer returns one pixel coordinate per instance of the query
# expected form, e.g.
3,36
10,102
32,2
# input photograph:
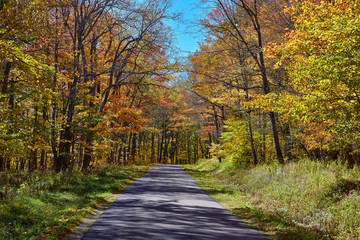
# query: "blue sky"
186,34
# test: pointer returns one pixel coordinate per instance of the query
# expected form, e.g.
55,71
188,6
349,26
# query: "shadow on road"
166,203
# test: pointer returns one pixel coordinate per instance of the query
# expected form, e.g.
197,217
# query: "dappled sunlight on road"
166,203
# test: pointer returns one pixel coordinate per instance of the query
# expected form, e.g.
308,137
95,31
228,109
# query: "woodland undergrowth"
45,205
300,200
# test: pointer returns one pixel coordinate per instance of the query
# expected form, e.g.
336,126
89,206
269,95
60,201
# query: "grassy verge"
303,200
48,205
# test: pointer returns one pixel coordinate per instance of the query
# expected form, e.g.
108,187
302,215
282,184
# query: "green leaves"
322,60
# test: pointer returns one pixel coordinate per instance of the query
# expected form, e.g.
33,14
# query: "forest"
91,82
87,84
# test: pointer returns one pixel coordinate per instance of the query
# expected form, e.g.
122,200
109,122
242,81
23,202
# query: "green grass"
45,205
303,200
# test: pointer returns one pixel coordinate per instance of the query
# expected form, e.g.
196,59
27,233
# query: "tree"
127,34
240,29
321,58
23,79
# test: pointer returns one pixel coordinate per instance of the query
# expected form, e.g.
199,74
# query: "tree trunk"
22,165
63,160
33,161
124,162
171,148
217,126
208,147
119,154
4,90
152,160
177,148
43,160
248,111
128,150
276,140
6,77
166,145
288,145
54,144
275,133
263,147
349,157
87,153
253,151
161,148
195,150
188,148
133,147
33,155
274,130
2,163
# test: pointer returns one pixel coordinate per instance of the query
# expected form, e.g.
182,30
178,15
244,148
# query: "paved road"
166,203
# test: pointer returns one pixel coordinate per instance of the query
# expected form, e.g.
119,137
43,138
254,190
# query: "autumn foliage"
90,82
286,69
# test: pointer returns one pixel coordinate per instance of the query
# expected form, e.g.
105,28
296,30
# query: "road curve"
166,203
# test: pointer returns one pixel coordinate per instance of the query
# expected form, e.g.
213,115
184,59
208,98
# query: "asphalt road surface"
166,203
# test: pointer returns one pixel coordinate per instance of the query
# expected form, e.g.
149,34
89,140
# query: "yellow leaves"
10,51
317,56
